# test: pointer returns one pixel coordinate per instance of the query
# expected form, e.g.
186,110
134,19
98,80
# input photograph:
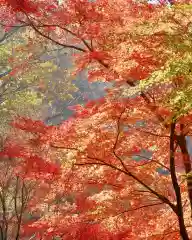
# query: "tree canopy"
124,163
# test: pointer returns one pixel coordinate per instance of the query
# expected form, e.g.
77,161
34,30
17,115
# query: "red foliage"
31,165
30,125
121,145
21,5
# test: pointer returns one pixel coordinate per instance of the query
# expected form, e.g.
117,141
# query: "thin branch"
118,130
130,174
141,207
51,39
152,160
15,26
3,38
101,162
133,209
161,197
153,134
63,147
68,31
117,139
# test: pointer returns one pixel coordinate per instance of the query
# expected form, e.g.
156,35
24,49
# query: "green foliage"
177,73
34,77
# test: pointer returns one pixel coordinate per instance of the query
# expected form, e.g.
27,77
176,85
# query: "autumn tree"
131,146
26,72
25,86
26,181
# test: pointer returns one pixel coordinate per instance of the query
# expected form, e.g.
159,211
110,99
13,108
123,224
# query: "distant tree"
25,181
26,72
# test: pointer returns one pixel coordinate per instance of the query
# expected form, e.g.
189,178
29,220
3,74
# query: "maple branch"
63,147
124,170
31,24
15,26
153,134
69,31
117,139
130,83
116,142
179,207
89,47
11,32
140,207
153,108
4,37
134,209
130,174
165,234
151,160
101,162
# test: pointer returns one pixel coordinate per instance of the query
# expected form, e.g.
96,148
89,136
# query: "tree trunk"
181,140
179,210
